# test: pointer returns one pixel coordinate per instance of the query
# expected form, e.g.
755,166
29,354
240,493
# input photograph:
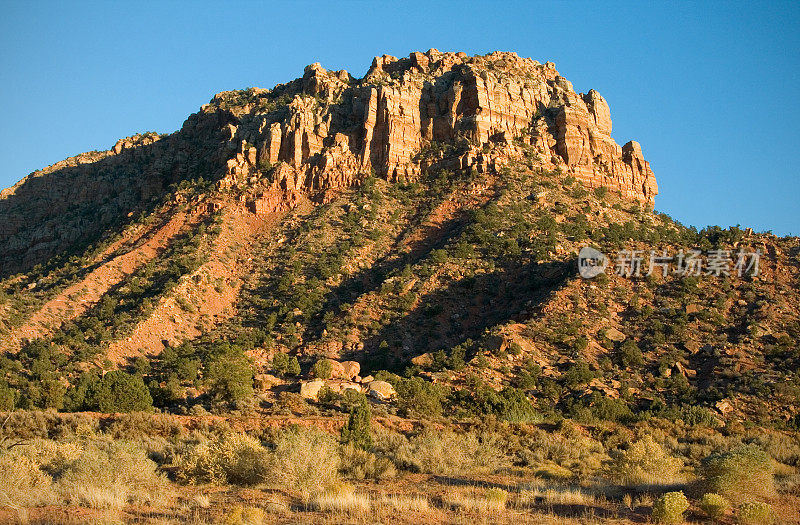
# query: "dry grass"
401,503
342,499
491,502
555,496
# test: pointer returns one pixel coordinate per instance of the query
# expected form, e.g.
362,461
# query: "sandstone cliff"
328,130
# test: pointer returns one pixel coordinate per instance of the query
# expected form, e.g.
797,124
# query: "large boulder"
381,390
337,370
310,389
350,369
340,386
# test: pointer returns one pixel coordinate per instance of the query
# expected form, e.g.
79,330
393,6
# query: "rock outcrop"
326,130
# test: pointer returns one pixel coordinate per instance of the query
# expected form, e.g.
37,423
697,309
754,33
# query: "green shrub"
755,513
229,376
293,367
356,431
670,507
417,396
714,505
740,474
121,392
645,462
322,369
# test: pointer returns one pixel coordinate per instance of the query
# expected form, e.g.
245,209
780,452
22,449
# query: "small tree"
293,367
230,377
280,363
357,431
322,369
122,392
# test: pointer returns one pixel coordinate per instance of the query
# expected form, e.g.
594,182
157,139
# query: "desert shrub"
417,396
322,369
564,453
448,453
697,415
108,472
229,376
22,482
670,507
497,496
755,513
227,459
714,505
121,392
645,462
740,474
99,473
356,431
359,464
306,461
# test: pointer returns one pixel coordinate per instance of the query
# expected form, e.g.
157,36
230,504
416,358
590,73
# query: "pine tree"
357,430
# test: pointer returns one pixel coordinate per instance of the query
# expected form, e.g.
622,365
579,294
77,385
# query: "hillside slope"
424,221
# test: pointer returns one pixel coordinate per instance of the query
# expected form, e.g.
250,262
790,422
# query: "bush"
714,505
755,513
121,392
98,473
645,462
740,474
417,396
360,464
230,377
356,431
306,461
447,453
228,459
322,369
670,507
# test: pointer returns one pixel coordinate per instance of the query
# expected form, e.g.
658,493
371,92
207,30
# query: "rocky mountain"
422,222
326,131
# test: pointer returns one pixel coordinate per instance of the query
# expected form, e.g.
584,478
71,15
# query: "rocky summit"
328,130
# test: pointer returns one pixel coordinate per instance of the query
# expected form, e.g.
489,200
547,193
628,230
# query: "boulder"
337,370
350,369
310,389
381,390
340,386
266,381
615,335
422,360
366,380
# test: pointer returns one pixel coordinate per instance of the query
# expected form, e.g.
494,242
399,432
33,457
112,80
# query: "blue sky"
710,90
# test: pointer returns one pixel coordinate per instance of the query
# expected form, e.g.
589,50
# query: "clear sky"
710,90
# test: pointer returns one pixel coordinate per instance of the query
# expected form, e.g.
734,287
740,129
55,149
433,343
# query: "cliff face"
327,130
